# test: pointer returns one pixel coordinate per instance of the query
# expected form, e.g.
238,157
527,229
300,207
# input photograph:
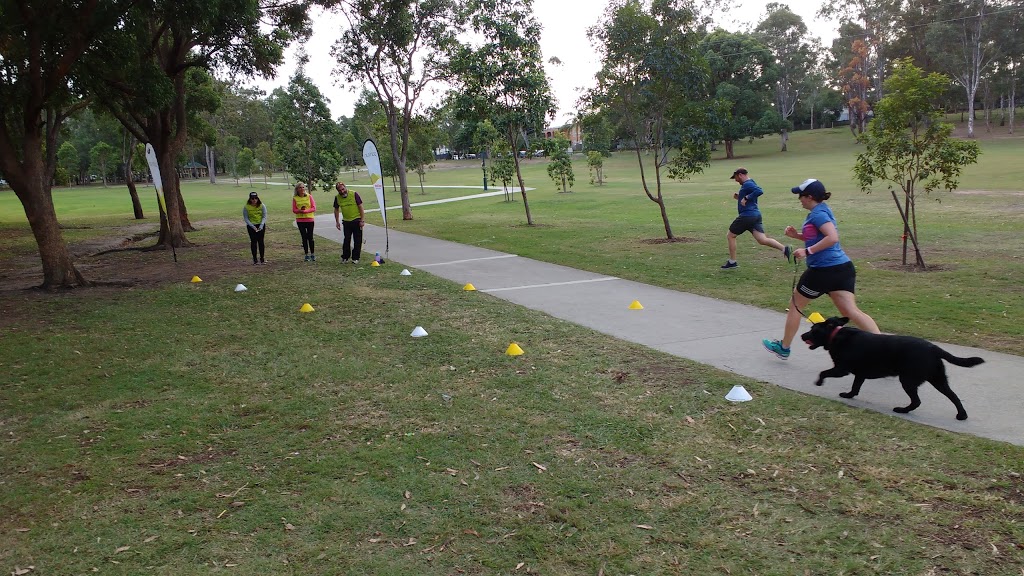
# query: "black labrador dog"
868,356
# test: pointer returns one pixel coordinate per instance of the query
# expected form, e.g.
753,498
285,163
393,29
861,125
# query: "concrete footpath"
720,333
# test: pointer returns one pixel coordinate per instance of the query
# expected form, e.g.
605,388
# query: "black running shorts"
818,281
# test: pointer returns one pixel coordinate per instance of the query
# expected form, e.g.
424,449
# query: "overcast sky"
564,36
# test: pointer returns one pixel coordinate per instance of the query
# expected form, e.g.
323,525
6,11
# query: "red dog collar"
833,334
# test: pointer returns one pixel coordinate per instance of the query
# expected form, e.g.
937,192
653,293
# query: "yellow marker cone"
306,308
514,350
374,263
815,318
196,279
470,288
636,305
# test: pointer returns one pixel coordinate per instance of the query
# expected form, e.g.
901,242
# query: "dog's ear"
843,321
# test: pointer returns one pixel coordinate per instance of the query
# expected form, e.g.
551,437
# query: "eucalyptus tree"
653,87
485,137
88,128
962,38
231,146
908,146
101,158
68,162
1012,42
46,47
266,160
878,26
743,74
559,162
400,48
246,163
306,138
423,138
786,35
155,80
130,156
501,76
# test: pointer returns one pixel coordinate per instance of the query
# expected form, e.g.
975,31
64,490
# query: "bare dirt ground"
119,260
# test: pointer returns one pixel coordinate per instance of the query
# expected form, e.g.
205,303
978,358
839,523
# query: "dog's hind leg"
855,389
910,386
941,384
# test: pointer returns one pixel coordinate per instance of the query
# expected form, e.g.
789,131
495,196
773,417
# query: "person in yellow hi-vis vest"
350,216
255,216
304,207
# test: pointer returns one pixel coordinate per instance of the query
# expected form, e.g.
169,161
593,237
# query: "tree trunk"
728,149
58,268
785,139
130,182
1013,95
398,155
519,175
211,166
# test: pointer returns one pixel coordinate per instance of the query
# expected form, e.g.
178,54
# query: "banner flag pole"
372,161
154,169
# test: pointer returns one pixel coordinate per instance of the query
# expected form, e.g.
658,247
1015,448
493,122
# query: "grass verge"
188,428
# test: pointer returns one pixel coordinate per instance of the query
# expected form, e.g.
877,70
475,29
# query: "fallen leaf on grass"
22,571
540,467
644,527
411,542
520,565
22,529
407,494
689,420
122,549
151,538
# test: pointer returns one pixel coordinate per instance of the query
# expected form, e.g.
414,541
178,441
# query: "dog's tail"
965,362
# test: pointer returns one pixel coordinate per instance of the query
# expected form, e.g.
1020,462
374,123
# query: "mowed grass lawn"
187,428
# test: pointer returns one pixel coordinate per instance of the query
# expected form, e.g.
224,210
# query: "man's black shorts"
746,224
817,281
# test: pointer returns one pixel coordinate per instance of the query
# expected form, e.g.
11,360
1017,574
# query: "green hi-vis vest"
255,214
303,203
349,208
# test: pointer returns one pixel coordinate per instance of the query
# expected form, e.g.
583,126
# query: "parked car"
3,183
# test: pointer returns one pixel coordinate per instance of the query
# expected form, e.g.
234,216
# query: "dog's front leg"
855,389
833,372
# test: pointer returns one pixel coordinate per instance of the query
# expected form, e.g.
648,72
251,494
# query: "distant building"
574,132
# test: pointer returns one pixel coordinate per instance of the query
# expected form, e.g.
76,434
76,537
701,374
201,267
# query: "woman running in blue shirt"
829,270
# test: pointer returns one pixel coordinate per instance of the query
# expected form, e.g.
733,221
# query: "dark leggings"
256,241
306,230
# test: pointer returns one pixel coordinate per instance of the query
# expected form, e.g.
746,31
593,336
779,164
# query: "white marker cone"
405,272
738,394
418,332
240,288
